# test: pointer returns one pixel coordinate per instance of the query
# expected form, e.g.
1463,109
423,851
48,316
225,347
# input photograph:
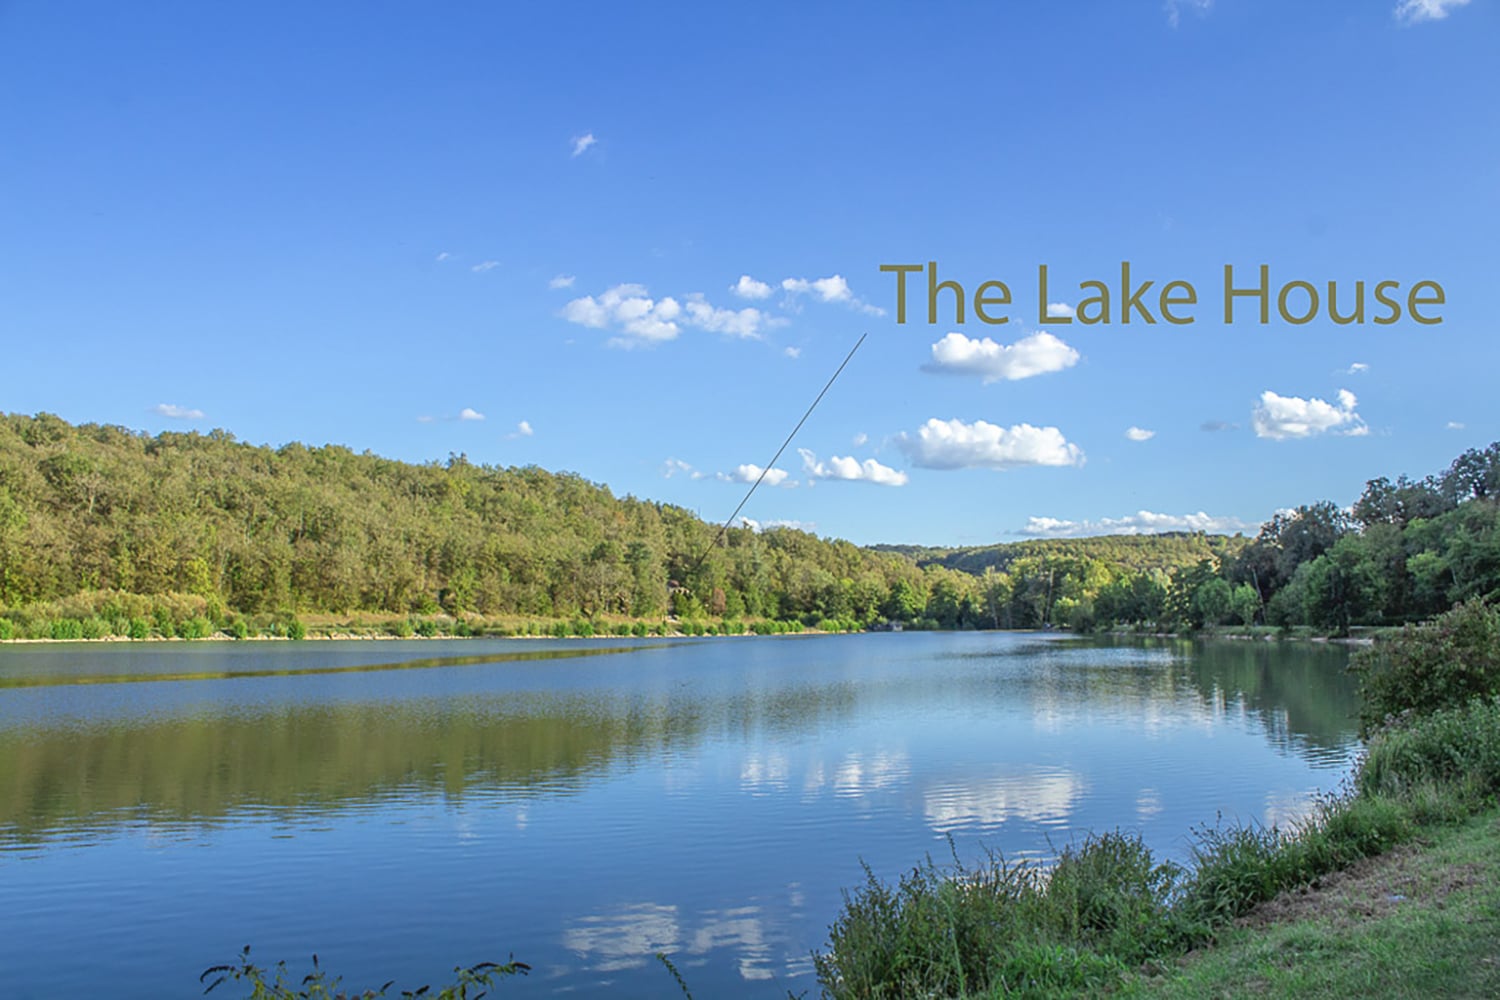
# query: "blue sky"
635,243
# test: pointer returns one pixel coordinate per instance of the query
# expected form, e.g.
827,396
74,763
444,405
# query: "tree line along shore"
108,532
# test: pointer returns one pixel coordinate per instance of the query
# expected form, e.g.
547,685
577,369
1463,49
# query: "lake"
401,807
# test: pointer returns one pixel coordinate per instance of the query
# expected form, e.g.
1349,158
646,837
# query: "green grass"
1418,923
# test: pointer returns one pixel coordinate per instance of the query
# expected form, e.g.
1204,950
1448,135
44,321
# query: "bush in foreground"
1442,663
1004,928
1458,748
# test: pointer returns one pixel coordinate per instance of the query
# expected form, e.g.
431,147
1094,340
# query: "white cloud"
470,414
647,321
1059,309
630,308
953,444
177,412
1174,8
484,265
1034,355
831,289
674,466
861,439
1142,522
792,352
523,430
1358,368
735,322
1139,434
445,255
1281,417
1416,11
749,473
586,311
561,281
754,525
851,469
426,419
1454,425
748,288
581,143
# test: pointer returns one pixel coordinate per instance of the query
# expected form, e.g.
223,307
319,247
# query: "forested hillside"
107,524
99,508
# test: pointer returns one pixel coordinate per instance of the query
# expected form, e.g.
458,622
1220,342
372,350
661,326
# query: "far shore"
345,636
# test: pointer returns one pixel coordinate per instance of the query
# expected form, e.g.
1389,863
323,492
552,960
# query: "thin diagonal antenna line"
720,536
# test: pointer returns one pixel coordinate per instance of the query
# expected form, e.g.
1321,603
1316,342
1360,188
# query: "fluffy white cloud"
1416,11
831,289
587,311
523,430
630,308
485,265
1281,417
953,444
445,255
749,473
792,352
861,439
1454,425
734,322
748,288
561,281
646,321
581,143
851,469
177,412
674,466
1142,522
1059,309
1139,434
470,414
1358,368
1034,355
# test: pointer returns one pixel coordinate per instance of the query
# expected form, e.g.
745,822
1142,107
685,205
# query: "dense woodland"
113,526
1406,550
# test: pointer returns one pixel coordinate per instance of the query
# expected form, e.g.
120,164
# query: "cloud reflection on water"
630,935
1032,794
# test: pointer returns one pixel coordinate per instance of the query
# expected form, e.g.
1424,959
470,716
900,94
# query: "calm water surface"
403,807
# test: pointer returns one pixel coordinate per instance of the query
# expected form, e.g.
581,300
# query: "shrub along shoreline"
1430,713
117,615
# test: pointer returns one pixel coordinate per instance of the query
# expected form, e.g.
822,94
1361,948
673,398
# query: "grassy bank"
1420,921
1108,909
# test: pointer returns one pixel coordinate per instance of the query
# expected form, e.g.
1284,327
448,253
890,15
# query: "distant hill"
1131,553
